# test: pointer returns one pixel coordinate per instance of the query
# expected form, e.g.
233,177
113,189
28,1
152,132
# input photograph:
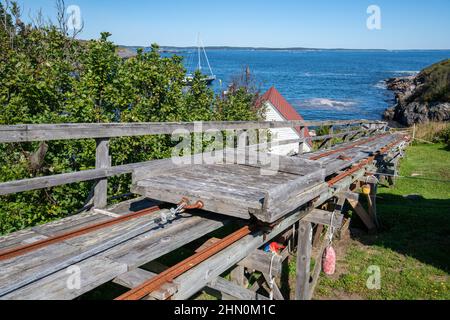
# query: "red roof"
286,110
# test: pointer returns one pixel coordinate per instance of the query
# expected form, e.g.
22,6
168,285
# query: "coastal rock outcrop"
421,98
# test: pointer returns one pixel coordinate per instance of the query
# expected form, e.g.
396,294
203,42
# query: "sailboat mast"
199,54
207,60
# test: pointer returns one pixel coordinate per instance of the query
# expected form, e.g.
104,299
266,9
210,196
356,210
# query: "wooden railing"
103,132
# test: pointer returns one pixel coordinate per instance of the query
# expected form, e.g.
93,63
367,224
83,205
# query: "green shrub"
436,83
48,77
445,136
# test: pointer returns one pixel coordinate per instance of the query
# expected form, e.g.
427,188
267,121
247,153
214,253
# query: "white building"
278,109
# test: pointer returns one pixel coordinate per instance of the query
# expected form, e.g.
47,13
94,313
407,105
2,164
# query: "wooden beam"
303,260
67,178
276,292
323,217
372,199
317,268
260,261
330,142
135,278
229,288
318,258
195,279
362,213
139,170
68,131
102,161
317,235
284,192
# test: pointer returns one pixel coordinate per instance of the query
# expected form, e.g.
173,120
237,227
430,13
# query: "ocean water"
328,84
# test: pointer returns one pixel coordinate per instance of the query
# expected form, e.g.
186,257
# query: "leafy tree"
47,76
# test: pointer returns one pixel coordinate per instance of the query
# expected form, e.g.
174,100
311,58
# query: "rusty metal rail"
393,144
170,274
350,171
364,162
21,250
348,147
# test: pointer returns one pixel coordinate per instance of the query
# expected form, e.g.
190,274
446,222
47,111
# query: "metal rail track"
170,274
364,162
21,250
329,153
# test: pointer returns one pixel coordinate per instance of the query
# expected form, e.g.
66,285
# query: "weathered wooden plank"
293,203
240,176
47,132
163,166
317,269
362,213
273,162
70,223
62,285
218,184
260,261
318,265
22,237
197,278
102,160
135,278
277,295
80,249
273,288
215,199
67,178
210,242
234,290
322,217
18,272
285,191
155,244
94,174
303,260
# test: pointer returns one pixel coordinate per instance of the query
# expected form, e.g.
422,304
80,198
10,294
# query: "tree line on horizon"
48,76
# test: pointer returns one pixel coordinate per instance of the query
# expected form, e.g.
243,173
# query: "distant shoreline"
175,48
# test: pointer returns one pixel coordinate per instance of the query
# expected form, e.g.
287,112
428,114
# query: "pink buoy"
329,261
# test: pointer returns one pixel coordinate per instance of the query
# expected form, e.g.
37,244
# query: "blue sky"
406,24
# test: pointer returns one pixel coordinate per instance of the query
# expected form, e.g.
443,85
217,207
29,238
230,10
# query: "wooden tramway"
240,189
36,262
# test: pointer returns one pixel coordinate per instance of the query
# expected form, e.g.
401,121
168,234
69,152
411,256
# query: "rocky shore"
421,98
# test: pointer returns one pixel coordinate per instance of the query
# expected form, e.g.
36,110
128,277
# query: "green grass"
412,248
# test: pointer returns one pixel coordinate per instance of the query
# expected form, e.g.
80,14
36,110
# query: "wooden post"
347,131
102,160
303,260
301,145
362,213
316,239
330,143
373,198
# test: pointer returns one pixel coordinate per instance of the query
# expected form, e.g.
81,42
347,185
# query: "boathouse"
277,108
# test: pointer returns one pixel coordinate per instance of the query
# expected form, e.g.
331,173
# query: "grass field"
412,249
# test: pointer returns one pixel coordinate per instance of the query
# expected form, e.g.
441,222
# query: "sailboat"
209,79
